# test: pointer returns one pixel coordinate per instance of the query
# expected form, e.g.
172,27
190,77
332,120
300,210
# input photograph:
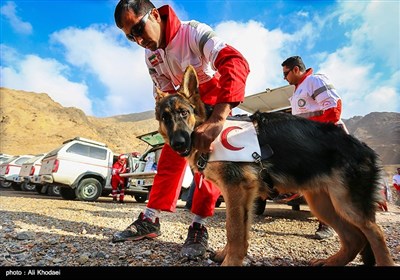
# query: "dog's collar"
202,162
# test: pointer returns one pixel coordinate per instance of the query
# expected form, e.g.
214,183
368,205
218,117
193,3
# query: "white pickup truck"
9,171
28,170
80,167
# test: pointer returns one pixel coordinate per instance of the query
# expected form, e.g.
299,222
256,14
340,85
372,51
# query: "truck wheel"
89,189
5,184
140,198
259,206
67,193
53,190
27,187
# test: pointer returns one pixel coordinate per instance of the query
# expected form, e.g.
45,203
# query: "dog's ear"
159,95
190,90
190,83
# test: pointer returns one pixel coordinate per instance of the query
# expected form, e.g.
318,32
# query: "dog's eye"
184,113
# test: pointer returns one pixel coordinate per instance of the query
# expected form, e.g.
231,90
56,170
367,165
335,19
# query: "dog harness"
237,142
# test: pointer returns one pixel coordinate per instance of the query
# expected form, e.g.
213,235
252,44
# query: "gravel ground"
40,231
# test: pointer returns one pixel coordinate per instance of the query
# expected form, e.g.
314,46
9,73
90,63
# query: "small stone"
25,235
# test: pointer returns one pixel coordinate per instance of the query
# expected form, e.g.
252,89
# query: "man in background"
396,185
117,182
314,98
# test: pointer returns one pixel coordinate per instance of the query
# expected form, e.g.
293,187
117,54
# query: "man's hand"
206,133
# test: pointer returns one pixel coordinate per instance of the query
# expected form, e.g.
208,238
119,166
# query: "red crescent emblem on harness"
224,138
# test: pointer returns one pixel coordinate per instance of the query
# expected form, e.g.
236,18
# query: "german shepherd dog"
336,173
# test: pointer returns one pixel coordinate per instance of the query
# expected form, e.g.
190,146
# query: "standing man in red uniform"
119,167
172,45
314,98
396,184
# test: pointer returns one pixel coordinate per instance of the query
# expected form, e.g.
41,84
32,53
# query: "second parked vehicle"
9,171
29,168
80,167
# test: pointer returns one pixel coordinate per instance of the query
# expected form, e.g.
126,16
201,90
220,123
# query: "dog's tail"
367,255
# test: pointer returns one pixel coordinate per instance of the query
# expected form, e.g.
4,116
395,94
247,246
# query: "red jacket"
221,69
118,169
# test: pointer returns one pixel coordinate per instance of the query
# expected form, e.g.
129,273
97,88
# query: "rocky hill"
381,131
32,123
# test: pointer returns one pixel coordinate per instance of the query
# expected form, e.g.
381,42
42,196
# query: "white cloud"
353,68
104,53
381,98
362,90
177,7
263,56
302,13
378,34
32,73
9,12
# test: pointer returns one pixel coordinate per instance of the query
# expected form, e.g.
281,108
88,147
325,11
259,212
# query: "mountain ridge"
32,123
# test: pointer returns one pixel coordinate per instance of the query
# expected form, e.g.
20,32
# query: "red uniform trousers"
115,182
168,182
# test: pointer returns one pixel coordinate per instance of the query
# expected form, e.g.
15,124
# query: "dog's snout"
180,141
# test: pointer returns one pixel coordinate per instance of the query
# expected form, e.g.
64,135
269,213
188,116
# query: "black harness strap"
202,162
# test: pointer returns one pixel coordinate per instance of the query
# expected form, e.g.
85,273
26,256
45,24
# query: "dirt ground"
47,231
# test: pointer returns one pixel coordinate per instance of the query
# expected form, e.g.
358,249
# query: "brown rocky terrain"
32,123
49,232
381,131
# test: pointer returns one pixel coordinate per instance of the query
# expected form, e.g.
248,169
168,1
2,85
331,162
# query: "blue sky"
72,50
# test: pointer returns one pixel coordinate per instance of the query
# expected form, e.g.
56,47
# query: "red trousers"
115,182
168,182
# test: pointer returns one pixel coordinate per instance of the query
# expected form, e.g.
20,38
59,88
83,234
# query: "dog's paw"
217,256
317,262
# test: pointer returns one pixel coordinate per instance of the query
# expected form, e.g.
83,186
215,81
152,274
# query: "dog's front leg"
238,202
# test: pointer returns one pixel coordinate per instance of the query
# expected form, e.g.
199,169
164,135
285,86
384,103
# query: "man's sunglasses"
287,73
138,28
